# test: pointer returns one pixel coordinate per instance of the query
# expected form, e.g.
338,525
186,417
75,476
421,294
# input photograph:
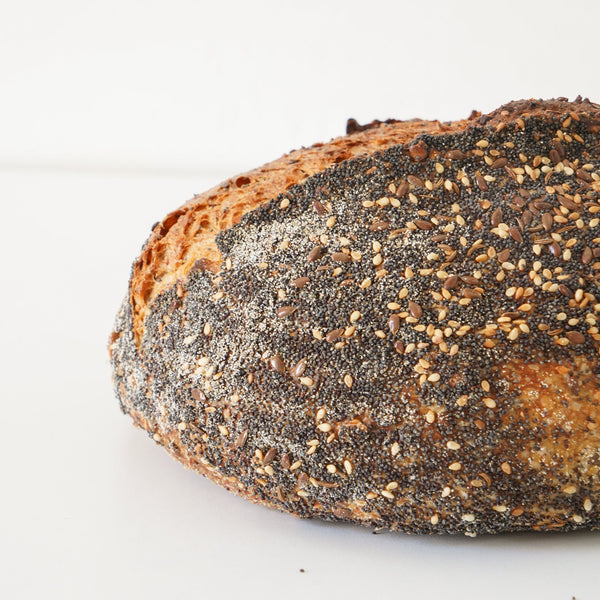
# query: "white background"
112,113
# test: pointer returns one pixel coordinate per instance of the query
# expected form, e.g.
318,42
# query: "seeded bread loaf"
398,328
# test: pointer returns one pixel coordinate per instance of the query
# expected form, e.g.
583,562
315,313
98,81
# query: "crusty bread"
397,328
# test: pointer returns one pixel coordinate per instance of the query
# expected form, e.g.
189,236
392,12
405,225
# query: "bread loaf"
398,328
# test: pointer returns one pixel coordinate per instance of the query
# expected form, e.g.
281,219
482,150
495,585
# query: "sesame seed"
462,400
489,402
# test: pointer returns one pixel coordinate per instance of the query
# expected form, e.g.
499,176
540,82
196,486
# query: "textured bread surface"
397,328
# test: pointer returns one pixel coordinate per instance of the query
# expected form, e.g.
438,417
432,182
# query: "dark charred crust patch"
353,126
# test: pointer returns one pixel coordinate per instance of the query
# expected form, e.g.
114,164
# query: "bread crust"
188,234
527,456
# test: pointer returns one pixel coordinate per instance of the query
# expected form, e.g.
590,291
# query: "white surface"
114,113
191,83
91,508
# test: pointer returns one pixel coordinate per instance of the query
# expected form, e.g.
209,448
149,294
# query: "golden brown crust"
187,234
523,451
